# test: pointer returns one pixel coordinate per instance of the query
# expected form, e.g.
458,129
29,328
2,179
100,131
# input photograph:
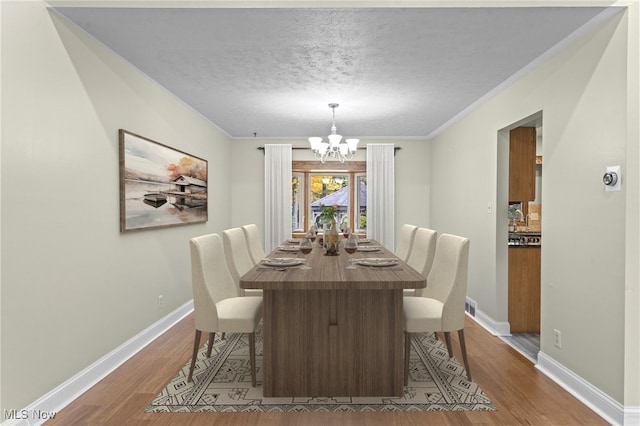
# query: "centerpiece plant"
328,214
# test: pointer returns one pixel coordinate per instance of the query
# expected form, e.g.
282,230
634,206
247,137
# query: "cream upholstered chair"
405,241
216,301
238,258
422,253
440,306
252,236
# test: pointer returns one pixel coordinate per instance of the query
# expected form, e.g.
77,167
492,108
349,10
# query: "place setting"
369,248
282,263
377,262
353,244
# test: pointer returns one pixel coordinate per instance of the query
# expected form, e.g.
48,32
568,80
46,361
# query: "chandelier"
334,148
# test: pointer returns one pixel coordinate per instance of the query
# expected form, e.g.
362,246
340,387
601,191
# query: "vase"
331,240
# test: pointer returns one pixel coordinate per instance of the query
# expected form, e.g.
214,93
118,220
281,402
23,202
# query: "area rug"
222,383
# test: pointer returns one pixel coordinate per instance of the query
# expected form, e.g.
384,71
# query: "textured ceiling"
396,73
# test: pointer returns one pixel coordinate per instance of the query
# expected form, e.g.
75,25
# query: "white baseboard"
601,403
497,328
55,400
632,416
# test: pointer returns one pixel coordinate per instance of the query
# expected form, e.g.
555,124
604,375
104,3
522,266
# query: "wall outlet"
160,302
557,338
534,216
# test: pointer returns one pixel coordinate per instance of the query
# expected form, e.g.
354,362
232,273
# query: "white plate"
282,261
293,241
377,261
364,241
289,248
369,248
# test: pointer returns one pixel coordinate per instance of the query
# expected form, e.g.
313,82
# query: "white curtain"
277,195
380,194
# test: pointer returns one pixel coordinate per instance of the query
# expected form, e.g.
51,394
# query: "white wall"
582,94
73,287
412,180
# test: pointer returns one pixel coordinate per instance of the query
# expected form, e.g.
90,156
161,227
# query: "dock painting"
159,185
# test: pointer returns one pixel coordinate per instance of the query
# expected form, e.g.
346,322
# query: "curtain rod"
395,148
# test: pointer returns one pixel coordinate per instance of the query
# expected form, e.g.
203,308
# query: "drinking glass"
311,235
351,246
305,249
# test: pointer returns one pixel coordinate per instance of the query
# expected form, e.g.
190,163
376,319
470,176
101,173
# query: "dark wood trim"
350,168
331,166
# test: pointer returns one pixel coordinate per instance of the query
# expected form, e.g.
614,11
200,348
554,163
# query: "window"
315,185
329,190
361,202
297,202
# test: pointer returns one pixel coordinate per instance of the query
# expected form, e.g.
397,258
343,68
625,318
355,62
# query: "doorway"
519,240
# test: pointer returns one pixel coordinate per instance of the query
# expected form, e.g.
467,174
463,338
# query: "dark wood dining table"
331,331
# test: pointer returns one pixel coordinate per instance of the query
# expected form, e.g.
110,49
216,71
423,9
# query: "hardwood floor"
521,393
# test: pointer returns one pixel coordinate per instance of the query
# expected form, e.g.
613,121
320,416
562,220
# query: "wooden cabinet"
522,164
524,289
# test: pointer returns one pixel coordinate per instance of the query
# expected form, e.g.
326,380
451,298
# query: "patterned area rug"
222,383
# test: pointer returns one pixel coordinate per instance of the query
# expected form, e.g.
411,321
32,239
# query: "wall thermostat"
611,178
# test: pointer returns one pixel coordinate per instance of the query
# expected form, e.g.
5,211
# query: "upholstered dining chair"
238,257
405,241
252,235
422,253
218,307
440,306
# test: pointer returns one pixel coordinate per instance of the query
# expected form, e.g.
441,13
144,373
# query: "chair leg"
435,335
252,357
212,336
222,337
407,348
447,339
463,348
196,344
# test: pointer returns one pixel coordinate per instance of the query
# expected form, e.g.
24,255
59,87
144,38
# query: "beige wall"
583,95
632,221
73,287
412,179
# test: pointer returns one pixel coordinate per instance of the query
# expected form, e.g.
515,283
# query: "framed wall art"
160,186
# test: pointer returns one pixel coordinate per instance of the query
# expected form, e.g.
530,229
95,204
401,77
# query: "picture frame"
160,186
